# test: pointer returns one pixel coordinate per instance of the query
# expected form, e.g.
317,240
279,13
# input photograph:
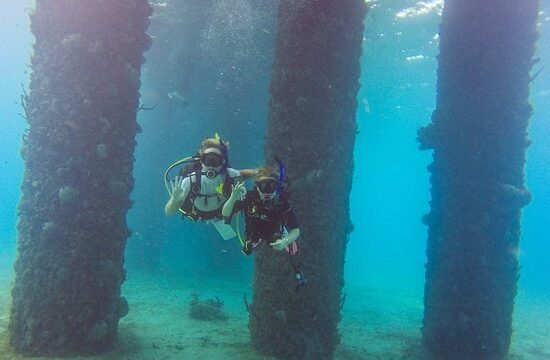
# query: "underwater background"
201,86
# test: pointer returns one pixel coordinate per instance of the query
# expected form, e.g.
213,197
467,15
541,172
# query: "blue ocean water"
391,184
391,188
15,46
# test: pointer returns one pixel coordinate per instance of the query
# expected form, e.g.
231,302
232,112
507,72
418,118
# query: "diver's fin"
225,230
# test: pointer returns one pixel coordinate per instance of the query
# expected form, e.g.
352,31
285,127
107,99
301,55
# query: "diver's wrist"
176,199
234,197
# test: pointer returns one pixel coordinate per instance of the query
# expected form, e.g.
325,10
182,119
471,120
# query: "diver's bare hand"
177,188
280,244
238,191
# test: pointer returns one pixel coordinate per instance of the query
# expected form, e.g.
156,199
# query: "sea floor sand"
377,323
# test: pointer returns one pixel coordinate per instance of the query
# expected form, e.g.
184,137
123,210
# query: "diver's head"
266,185
213,155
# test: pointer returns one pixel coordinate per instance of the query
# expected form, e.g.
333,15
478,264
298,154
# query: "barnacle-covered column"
312,128
479,139
78,154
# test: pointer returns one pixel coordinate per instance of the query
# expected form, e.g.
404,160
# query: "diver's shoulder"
233,172
186,180
285,204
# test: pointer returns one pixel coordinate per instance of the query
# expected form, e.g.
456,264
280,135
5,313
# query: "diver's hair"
213,143
267,172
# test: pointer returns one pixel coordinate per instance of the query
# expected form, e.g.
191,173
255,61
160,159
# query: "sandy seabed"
377,323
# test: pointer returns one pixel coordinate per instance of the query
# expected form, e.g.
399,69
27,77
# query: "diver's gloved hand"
177,189
280,244
238,191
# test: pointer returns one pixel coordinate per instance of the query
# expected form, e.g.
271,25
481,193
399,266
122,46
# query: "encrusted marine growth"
312,128
479,139
78,153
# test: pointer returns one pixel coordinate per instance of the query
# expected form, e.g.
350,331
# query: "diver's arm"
293,232
292,226
171,207
227,209
285,241
179,193
292,236
237,192
248,173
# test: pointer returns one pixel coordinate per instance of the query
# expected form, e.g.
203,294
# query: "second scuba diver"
268,213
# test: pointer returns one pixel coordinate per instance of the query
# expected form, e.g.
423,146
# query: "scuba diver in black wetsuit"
268,213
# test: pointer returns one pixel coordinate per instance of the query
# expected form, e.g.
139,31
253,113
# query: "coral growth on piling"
78,153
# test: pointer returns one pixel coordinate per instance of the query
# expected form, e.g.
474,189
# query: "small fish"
219,189
176,96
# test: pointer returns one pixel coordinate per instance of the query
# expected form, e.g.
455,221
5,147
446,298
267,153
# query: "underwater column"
479,138
312,129
78,153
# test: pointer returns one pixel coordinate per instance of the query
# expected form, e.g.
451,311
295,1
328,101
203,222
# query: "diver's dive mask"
212,159
267,186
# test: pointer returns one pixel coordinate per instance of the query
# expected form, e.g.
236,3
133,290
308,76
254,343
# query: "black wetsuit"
267,224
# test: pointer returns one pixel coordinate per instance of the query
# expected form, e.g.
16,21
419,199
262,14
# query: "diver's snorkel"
281,179
225,154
